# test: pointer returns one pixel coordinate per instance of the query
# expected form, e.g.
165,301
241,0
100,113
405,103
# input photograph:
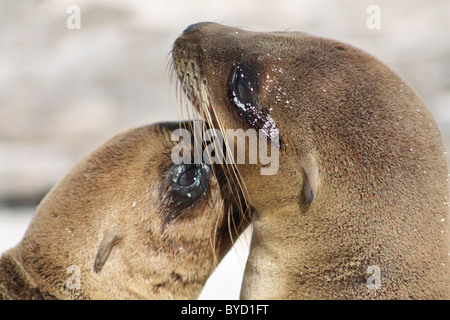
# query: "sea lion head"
127,222
255,80
361,162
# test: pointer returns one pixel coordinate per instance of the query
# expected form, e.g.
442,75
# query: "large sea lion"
358,208
126,223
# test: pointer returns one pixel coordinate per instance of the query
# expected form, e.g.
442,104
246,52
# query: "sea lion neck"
21,285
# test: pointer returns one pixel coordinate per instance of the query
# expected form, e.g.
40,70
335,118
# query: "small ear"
311,176
104,250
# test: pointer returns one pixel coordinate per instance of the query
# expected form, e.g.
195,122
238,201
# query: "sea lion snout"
195,26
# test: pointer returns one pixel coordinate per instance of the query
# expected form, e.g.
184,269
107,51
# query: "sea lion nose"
189,28
195,26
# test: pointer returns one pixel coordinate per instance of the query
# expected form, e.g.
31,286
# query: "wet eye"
189,181
242,92
184,186
189,177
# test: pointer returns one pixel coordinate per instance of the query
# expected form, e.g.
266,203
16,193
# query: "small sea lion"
126,223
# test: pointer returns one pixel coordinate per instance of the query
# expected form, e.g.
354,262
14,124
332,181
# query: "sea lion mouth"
239,211
186,69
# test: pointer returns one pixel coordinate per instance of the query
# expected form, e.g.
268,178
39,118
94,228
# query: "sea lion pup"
126,223
358,208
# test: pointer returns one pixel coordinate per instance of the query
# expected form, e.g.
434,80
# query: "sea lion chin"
126,223
362,183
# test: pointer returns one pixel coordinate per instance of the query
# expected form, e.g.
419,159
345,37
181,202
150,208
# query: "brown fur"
353,134
111,218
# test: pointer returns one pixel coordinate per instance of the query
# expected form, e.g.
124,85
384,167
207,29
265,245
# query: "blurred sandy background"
63,92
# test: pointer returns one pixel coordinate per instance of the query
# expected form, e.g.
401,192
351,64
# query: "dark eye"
190,181
189,177
184,187
241,90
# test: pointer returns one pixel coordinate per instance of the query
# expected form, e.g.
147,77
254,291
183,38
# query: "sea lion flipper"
311,177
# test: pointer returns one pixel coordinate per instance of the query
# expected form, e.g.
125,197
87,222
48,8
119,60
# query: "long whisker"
192,88
232,175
